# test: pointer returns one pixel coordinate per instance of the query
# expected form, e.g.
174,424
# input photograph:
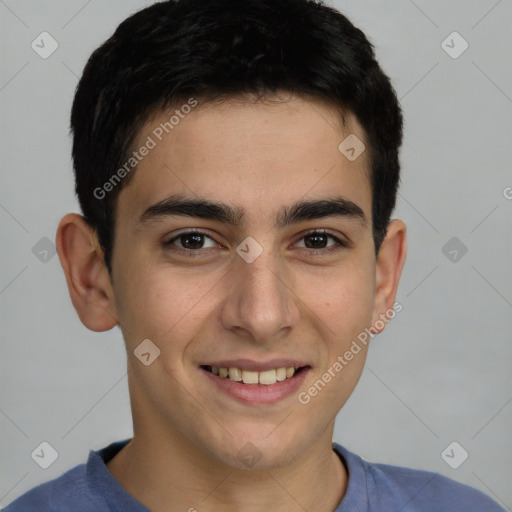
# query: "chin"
259,449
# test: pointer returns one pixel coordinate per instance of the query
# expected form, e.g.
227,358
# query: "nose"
261,304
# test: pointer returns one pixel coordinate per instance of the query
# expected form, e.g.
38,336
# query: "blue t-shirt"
371,488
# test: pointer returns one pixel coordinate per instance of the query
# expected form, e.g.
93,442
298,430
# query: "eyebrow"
178,205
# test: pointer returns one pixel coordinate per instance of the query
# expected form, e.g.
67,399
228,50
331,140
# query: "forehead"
256,154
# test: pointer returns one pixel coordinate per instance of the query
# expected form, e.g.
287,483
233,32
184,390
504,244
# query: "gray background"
439,373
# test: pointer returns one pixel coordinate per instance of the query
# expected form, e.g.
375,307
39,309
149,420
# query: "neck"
160,477
167,472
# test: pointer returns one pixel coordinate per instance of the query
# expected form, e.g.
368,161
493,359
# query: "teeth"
235,374
249,377
266,378
280,374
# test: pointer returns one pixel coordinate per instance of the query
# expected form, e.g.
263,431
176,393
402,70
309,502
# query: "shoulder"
85,488
423,490
59,495
390,487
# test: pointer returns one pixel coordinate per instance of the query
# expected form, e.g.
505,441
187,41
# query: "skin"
292,301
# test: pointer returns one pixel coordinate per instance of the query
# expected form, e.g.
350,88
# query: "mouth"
251,377
254,384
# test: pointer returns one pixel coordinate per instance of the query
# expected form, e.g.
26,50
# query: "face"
244,241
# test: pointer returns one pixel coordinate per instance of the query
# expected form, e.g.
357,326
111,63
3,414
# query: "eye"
321,240
192,241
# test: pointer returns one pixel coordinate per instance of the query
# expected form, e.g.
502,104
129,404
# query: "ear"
389,265
87,277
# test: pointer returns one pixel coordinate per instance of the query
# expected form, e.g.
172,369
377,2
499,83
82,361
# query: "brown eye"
319,240
316,241
191,241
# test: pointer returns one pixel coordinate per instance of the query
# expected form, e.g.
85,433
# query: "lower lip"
258,393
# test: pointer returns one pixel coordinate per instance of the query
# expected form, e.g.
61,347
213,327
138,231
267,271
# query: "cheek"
343,300
165,306
344,310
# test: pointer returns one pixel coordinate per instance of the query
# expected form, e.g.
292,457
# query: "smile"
253,383
265,378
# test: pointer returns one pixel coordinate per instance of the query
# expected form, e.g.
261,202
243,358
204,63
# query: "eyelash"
340,244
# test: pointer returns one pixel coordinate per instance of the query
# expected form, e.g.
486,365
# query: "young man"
237,165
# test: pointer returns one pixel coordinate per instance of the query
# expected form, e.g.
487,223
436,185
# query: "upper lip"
257,366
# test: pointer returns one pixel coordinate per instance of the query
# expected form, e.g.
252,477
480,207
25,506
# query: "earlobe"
389,265
88,280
